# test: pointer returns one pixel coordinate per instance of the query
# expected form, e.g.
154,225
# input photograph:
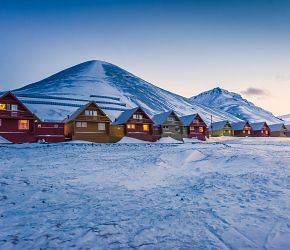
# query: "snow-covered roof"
161,118
125,116
258,125
187,119
218,125
239,125
277,127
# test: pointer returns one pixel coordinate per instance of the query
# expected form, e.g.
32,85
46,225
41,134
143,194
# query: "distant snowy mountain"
285,118
234,104
113,88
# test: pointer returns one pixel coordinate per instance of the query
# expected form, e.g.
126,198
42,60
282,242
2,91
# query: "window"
0,122
101,126
145,127
8,106
23,124
55,125
39,125
81,124
131,126
165,127
200,129
2,106
244,131
138,116
14,107
91,113
191,128
266,132
170,119
249,132
177,129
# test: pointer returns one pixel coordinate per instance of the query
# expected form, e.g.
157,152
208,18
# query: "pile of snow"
3,140
168,140
79,142
131,140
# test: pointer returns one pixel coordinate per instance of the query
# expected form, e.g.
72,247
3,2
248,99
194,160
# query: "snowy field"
222,194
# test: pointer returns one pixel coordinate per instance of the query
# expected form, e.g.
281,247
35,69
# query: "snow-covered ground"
220,194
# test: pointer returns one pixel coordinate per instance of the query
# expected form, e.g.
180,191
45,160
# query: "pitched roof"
159,119
258,125
125,116
219,125
277,127
20,102
239,125
75,114
187,119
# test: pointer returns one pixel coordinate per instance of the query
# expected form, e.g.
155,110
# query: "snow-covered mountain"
234,104
113,88
285,118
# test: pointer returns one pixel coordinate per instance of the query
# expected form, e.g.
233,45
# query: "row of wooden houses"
90,123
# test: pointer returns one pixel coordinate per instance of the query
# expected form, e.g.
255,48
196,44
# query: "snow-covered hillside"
234,104
231,194
285,118
113,88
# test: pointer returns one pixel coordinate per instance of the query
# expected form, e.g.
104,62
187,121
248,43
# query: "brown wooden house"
261,129
288,130
278,130
90,123
194,127
137,124
169,125
242,129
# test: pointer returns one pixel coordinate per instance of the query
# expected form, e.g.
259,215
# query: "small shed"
242,129
194,127
221,128
137,124
169,125
261,129
278,130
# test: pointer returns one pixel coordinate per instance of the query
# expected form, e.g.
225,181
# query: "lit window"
39,125
23,124
249,132
2,106
244,131
131,126
14,107
266,132
101,126
262,131
145,127
200,129
81,124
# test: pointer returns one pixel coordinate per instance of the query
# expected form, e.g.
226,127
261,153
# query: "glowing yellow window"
23,124
266,132
2,106
244,131
131,126
146,127
249,132
200,129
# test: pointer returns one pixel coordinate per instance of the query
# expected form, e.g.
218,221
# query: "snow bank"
131,140
3,140
168,140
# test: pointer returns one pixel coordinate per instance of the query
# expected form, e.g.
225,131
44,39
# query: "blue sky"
183,46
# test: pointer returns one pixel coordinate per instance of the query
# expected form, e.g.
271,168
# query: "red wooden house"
261,129
195,127
19,125
137,124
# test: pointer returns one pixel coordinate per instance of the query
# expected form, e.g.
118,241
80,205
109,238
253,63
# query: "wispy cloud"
255,92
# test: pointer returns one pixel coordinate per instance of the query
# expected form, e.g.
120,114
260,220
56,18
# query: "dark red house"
261,129
242,129
19,125
195,127
137,124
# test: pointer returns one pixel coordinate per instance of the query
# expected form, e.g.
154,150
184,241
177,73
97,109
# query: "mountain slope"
234,104
113,88
285,118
